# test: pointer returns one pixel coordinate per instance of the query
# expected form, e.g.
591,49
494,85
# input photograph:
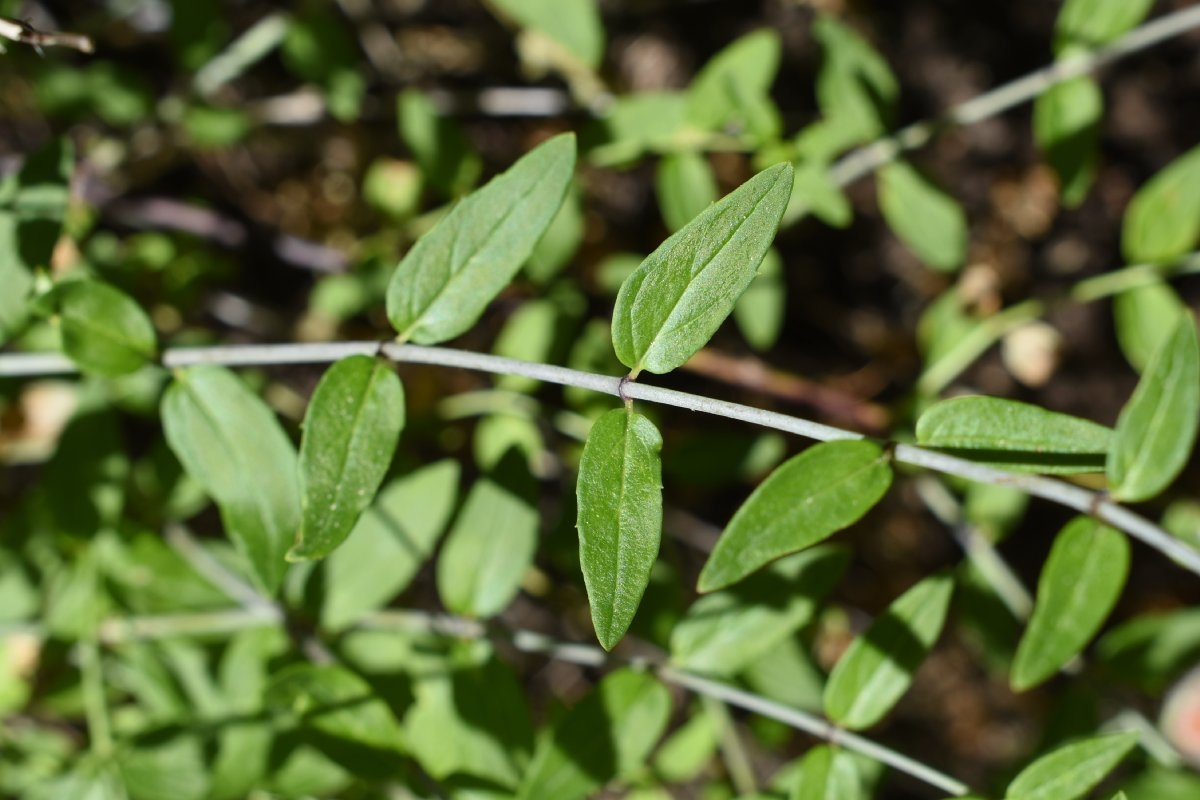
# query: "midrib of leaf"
1158,420
1074,595
454,272
355,432
622,545
104,333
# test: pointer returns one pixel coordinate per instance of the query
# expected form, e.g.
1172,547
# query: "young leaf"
231,443
1066,124
492,542
573,24
1071,771
879,665
350,432
337,703
608,734
1157,427
443,284
738,76
104,330
759,312
722,633
438,145
673,303
1162,221
929,221
1089,24
810,497
620,517
1014,435
685,185
1145,317
1080,583
827,774
855,87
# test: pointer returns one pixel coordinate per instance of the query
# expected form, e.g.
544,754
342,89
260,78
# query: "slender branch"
1056,491
20,31
867,159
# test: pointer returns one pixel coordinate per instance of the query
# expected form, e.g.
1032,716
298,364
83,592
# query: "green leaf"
827,774
1081,581
689,748
1089,24
759,312
855,86
638,123
620,517
104,330
350,433
809,498
231,443
492,542
445,282
724,632
1145,317
560,242
1157,427
1012,435
337,703
879,665
1162,221
438,144
673,303
685,185
734,81
1071,771
391,541
606,735
1066,125
574,24
813,192
1152,650
929,222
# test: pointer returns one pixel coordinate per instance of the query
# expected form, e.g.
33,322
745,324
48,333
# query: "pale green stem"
733,752
95,706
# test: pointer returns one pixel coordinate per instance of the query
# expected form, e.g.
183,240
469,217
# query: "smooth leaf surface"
1080,583
1014,435
573,24
855,87
1157,427
1089,24
620,517
809,498
673,303
492,542
930,222
724,632
759,313
232,444
1162,221
391,541
438,144
1145,317
338,703
104,330
734,79
879,665
685,185
351,429
444,283
1066,125
827,774
607,734
1071,771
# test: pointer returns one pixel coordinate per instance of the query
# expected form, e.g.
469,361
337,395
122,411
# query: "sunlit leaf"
673,303
444,283
104,330
1081,581
1071,771
1066,124
1162,221
827,774
879,665
810,497
1089,24
731,87
1145,317
338,703
930,222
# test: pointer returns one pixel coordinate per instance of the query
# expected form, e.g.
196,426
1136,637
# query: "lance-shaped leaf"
350,432
879,665
685,185
1066,124
620,517
1080,583
673,303
1162,221
827,774
723,632
443,284
1013,435
232,444
104,330
930,222
1157,427
1071,771
1145,317
804,501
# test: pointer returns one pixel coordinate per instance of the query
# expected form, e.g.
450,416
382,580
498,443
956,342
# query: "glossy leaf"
1089,24
392,540
673,303
232,444
1162,221
1014,435
1145,317
1071,771
724,632
759,313
806,500
1157,427
1066,124
930,222
444,283
351,429
620,517
685,185
1081,581
606,735
879,665
338,703
827,774
491,543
